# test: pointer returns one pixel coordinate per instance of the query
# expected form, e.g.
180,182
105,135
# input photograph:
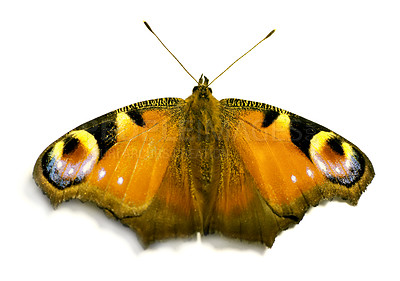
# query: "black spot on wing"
302,131
70,144
136,117
336,145
269,117
105,134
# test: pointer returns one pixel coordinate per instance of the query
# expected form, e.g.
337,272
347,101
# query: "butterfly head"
202,90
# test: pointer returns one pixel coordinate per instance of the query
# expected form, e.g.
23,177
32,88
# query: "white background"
63,63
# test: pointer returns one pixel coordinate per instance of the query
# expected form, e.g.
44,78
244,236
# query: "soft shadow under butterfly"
172,168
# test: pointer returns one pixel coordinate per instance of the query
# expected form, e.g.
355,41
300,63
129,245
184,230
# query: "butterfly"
171,168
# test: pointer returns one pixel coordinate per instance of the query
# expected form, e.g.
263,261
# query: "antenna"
148,26
269,34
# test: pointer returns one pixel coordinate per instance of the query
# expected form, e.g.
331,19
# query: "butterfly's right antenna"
148,26
269,34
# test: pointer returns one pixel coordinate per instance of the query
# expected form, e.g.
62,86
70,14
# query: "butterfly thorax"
202,111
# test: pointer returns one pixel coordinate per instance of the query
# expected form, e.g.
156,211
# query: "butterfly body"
172,167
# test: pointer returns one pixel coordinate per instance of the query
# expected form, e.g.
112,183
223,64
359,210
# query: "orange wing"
278,165
238,210
125,162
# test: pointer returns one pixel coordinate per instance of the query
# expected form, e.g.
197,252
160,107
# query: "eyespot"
339,161
70,159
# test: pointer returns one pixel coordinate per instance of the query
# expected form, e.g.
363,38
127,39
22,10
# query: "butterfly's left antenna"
148,26
269,34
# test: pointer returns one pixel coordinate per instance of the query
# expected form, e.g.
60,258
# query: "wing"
126,163
279,165
240,211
